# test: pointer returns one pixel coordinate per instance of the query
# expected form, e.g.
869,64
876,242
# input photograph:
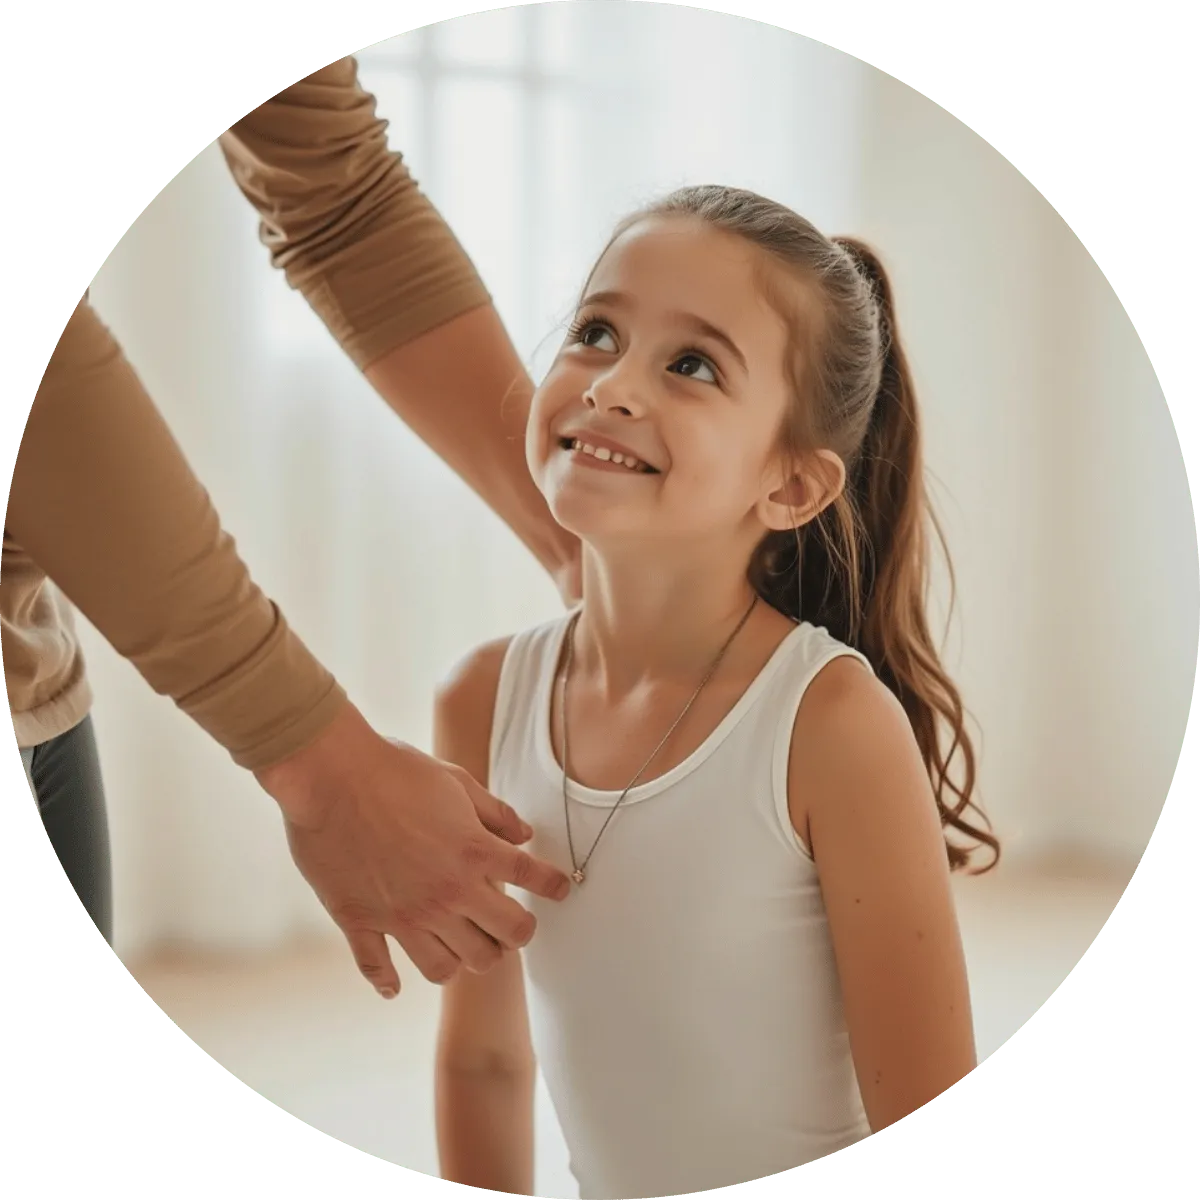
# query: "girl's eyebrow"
621,300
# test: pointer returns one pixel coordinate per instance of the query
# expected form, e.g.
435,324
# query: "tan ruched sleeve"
345,219
103,501
106,505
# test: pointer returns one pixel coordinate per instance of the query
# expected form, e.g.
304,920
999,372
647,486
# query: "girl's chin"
592,504
592,522
590,527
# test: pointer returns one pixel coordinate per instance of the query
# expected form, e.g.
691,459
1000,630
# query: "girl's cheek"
537,440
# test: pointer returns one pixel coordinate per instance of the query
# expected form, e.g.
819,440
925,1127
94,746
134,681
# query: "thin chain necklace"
580,868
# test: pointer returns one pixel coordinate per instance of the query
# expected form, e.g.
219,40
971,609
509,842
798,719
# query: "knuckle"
408,917
351,914
449,891
522,871
475,853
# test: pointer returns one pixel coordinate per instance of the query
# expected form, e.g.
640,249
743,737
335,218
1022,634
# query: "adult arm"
106,504
861,799
485,1073
345,220
104,501
392,842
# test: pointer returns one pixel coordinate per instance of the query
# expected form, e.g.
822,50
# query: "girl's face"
661,414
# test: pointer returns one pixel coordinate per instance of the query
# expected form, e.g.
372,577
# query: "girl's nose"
613,392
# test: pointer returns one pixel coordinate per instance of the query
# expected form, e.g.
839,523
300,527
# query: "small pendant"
577,875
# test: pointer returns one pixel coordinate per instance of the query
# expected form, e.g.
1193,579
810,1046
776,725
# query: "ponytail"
861,571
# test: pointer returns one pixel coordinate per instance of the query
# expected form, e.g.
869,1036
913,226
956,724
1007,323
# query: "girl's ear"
803,494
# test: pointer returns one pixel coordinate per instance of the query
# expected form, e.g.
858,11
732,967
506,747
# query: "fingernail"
388,993
526,829
564,888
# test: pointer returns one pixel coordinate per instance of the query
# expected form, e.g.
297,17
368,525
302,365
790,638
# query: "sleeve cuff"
271,705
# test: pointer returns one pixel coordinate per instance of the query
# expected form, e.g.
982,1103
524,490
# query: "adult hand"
395,842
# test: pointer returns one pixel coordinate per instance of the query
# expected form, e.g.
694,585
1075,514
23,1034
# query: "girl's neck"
663,623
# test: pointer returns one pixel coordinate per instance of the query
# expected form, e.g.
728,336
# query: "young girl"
739,745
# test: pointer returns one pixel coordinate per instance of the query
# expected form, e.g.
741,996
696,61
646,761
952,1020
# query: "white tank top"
684,1001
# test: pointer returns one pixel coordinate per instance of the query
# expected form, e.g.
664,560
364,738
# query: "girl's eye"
593,335
695,366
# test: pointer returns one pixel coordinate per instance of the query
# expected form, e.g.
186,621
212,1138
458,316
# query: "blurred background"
1055,466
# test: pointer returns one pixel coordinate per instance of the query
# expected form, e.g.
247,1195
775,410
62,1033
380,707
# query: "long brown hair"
860,568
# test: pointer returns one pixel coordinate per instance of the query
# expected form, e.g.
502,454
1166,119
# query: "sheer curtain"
534,129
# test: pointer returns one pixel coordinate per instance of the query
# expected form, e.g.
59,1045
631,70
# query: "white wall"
1074,554
1124,569
1063,490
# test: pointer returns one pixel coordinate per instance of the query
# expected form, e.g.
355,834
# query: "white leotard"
684,1002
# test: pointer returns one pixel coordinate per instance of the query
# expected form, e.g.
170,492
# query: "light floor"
304,1031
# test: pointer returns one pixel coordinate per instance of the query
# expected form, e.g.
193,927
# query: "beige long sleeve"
105,506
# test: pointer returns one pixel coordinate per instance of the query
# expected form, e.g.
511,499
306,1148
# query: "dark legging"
65,773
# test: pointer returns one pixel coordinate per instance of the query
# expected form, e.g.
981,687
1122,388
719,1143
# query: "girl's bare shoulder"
475,677
463,706
842,696
853,753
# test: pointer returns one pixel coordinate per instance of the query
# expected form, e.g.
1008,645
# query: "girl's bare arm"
862,801
485,1069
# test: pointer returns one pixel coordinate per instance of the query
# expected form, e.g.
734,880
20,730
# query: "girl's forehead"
682,248
683,265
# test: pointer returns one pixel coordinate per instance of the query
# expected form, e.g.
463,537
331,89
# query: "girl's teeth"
605,455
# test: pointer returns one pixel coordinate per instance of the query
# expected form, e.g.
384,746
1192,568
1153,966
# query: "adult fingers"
496,816
501,918
374,961
524,871
515,866
475,949
430,955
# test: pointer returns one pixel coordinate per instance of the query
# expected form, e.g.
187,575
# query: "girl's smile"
590,450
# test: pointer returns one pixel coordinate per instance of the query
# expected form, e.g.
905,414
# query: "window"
534,129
